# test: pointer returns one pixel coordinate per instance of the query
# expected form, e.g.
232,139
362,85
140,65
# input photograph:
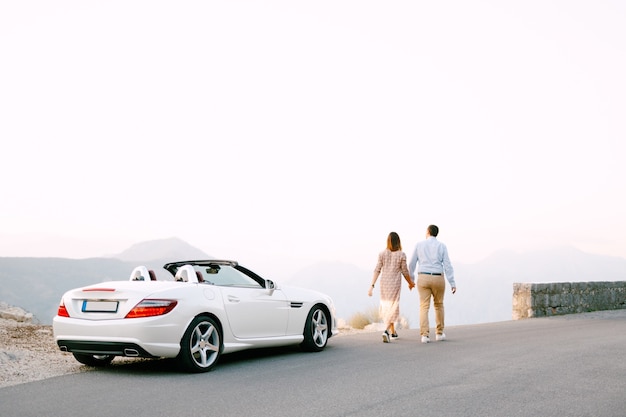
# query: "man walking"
433,260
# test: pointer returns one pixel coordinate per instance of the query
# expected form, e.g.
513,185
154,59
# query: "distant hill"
485,288
37,284
168,249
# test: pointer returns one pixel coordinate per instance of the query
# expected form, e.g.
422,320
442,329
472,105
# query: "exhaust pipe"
131,352
64,348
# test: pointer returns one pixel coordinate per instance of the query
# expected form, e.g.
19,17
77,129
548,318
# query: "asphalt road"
560,366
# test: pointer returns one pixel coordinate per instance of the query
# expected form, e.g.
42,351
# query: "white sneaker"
440,337
386,337
425,339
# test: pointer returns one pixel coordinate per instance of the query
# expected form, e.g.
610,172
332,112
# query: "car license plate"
97,306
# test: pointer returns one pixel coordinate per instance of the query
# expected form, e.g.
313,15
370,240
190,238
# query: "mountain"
485,288
163,249
37,284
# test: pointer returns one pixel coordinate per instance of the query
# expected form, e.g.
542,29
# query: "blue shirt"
432,256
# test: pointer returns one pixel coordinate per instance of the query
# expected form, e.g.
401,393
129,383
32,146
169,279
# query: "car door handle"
233,299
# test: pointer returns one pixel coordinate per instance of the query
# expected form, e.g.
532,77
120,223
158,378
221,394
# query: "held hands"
409,281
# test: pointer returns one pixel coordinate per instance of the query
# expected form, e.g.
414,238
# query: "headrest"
140,273
186,273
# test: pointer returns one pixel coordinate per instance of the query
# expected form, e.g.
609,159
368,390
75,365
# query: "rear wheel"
201,345
93,360
316,330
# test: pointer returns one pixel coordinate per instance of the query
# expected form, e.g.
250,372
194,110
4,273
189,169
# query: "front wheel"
201,345
316,330
93,360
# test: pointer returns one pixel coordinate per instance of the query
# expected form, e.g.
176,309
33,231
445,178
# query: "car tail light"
62,311
150,308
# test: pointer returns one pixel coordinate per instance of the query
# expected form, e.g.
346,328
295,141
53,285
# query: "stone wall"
540,300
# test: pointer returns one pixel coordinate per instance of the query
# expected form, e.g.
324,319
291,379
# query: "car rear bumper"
127,337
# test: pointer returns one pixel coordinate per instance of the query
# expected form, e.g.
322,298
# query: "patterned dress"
390,267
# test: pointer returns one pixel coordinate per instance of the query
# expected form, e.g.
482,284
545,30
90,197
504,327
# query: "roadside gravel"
28,353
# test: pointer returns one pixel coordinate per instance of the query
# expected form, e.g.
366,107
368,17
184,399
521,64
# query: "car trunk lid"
111,300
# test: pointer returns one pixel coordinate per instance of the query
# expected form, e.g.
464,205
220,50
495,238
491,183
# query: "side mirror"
270,286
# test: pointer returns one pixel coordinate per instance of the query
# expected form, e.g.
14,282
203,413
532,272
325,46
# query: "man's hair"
433,230
393,242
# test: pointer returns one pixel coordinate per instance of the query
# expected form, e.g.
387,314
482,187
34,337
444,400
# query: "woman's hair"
393,242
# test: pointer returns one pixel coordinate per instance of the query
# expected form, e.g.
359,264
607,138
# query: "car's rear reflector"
150,308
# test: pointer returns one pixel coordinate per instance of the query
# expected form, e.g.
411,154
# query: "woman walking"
391,267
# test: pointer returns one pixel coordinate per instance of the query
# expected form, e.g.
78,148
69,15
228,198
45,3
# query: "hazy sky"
294,132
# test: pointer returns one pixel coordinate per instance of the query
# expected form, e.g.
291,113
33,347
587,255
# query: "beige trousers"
431,286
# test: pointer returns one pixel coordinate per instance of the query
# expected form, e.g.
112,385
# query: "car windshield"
226,275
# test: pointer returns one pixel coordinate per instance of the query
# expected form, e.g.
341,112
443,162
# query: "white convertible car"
210,307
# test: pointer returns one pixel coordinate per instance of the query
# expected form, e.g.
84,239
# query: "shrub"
361,319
